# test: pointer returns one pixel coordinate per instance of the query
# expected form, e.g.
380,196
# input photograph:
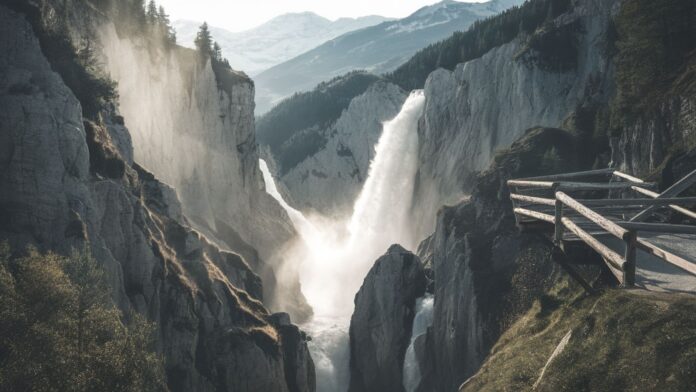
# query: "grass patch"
628,340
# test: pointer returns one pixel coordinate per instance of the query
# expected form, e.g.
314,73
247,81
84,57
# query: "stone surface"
487,103
212,330
380,328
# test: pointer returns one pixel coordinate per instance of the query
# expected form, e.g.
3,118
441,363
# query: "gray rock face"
485,272
197,136
380,328
644,145
214,333
330,180
196,133
487,103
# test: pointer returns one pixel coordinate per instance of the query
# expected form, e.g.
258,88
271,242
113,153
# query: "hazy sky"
245,14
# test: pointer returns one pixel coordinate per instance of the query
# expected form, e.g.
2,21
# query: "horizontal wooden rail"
667,256
601,221
535,184
658,227
534,214
573,186
628,177
656,196
612,258
533,199
595,186
637,202
565,176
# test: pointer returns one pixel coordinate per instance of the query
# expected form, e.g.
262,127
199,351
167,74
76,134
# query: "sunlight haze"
238,16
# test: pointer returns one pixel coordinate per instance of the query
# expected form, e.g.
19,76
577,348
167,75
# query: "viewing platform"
609,212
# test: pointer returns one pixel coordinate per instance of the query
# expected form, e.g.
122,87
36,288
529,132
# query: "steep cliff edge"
66,180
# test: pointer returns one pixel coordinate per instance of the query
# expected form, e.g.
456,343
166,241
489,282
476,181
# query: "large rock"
214,333
380,328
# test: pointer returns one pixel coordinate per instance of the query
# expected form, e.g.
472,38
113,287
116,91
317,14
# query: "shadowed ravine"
333,257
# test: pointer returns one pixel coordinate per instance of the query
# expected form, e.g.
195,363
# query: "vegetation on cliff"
485,35
59,330
620,340
291,128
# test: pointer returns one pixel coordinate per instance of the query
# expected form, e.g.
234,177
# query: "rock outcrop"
380,328
68,182
485,272
330,180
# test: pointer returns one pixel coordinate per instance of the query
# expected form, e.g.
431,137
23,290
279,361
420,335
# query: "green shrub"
60,332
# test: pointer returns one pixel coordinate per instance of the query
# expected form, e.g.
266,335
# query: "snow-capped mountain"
378,48
275,41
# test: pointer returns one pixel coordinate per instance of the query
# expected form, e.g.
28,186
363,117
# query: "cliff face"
330,180
195,131
484,271
67,181
485,104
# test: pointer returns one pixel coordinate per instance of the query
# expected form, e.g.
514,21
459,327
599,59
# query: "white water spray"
334,257
421,322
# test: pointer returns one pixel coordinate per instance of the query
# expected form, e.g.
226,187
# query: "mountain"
378,49
277,40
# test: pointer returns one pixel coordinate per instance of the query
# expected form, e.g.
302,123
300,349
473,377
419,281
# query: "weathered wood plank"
667,256
535,184
564,176
629,266
636,202
559,257
533,199
685,211
601,221
558,222
535,214
674,190
595,186
628,177
658,227
612,257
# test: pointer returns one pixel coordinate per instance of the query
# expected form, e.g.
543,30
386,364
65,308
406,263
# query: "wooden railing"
565,207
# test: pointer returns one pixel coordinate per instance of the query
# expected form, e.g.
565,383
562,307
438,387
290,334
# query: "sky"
238,15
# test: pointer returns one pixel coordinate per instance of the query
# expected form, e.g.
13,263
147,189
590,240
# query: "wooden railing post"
558,222
629,267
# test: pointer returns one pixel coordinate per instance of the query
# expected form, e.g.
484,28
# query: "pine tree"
204,41
152,14
165,26
217,52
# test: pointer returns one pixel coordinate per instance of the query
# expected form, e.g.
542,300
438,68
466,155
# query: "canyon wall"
69,181
487,103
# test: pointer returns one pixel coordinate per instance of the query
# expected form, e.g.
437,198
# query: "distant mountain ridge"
275,41
379,48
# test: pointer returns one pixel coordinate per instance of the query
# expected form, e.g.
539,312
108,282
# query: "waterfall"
333,257
421,322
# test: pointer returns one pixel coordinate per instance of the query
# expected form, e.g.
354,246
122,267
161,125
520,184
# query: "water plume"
333,257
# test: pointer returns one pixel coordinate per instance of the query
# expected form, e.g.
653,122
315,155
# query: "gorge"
359,236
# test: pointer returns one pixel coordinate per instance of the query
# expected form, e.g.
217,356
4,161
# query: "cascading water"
421,322
334,257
